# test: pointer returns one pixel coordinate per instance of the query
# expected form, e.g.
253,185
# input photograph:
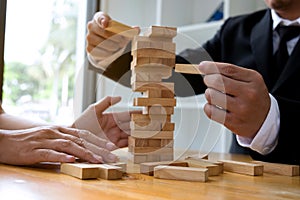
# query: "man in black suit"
245,89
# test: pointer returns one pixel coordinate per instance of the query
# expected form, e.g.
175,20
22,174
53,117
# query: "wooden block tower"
152,132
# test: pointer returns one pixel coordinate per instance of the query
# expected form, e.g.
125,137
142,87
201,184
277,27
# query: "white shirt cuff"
266,138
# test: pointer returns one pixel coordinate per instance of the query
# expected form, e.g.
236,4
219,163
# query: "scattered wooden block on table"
92,171
181,173
110,172
213,170
280,169
243,167
204,158
187,69
80,170
148,167
123,166
197,156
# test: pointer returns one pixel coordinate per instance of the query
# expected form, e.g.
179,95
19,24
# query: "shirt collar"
278,20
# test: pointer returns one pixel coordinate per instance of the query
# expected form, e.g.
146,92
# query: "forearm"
11,122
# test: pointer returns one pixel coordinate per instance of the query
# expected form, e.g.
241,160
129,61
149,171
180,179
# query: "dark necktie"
286,33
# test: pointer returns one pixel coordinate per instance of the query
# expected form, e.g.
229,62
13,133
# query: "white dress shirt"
267,137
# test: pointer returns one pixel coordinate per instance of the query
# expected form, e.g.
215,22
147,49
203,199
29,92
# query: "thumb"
105,103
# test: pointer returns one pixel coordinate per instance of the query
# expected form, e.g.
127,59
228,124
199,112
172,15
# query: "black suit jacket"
245,41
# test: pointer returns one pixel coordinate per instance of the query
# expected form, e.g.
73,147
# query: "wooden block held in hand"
243,167
187,69
181,173
148,167
122,29
280,169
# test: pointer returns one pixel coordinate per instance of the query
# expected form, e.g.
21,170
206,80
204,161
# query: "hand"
53,144
237,97
102,44
115,126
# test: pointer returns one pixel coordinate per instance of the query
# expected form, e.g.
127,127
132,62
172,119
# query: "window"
44,49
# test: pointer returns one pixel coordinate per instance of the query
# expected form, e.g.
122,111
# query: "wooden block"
122,165
110,172
154,102
148,167
151,157
170,62
166,143
213,170
158,110
187,69
152,134
280,169
243,167
167,94
139,43
153,86
152,93
204,158
122,29
142,142
158,94
161,32
153,53
163,71
136,117
166,157
197,156
181,173
155,126
146,126
157,150
80,170
137,158
150,61
145,77
168,126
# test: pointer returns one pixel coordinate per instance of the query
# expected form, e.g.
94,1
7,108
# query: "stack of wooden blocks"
152,132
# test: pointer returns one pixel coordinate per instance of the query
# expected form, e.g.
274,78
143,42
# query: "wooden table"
46,182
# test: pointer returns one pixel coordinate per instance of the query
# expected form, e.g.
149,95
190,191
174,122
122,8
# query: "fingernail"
112,158
97,159
69,158
111,146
